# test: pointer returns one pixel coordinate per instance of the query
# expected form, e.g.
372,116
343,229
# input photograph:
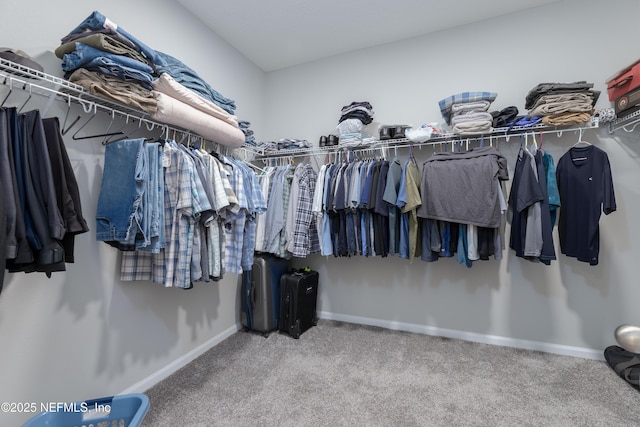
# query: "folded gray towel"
471,117
464,107
473,128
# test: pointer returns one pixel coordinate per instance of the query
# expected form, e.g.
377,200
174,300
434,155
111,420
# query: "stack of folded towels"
562,103
110,63
467,112
353,118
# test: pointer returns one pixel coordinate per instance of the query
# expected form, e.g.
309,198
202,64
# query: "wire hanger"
66,129
75,136
8,93
27,100
580,140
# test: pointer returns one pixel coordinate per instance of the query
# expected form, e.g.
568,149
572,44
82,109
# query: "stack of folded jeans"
467,112
249,138
104,60
106,66
562,103
111,63
159,62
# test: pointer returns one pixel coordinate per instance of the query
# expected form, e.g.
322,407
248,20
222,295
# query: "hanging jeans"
153,209
119,215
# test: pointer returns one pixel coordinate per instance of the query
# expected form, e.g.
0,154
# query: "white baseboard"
180,362
565,350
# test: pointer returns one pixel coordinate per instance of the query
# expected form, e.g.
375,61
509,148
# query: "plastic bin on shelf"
127,410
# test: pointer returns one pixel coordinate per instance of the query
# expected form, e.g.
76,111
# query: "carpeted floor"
340,374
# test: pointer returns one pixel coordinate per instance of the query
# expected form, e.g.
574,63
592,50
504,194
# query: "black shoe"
399,133
384,133
332,140
323,141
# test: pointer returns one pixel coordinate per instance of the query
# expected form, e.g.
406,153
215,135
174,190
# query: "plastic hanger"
580,140
540,138
534,146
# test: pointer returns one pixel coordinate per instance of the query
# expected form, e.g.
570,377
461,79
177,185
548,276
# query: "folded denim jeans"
162,62
127,93
101,65
84,54
104,43
106,31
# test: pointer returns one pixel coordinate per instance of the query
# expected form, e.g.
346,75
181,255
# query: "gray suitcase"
260,303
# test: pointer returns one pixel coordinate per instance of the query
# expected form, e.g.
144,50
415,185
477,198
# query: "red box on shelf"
623,82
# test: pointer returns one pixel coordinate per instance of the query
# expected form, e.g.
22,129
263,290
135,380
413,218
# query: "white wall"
83,333
567,304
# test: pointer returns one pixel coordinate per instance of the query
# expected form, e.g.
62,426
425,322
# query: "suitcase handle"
623,81
252,293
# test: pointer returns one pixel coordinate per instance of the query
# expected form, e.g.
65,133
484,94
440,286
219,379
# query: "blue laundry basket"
127,410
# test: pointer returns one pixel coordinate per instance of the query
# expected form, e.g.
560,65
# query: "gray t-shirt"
461,187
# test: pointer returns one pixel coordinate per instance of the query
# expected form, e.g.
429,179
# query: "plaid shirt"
256,205
144,265
304,242
445,104
234,228
220,202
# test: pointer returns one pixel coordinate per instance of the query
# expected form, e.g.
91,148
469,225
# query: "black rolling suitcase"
260,301
299,293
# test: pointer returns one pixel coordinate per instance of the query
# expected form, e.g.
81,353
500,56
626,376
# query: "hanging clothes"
42,209
210,203
461,186
586,190
304,237
531,225
462,205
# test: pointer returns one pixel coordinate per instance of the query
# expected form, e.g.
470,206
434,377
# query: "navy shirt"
525,191
586,189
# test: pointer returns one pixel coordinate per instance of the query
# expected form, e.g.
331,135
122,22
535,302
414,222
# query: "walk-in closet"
425,160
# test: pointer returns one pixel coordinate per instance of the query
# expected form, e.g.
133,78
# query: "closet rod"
14,76
500,133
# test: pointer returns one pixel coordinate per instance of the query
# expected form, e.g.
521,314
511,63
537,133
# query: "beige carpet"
340,374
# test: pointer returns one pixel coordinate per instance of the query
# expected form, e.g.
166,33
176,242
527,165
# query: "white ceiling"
275,34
